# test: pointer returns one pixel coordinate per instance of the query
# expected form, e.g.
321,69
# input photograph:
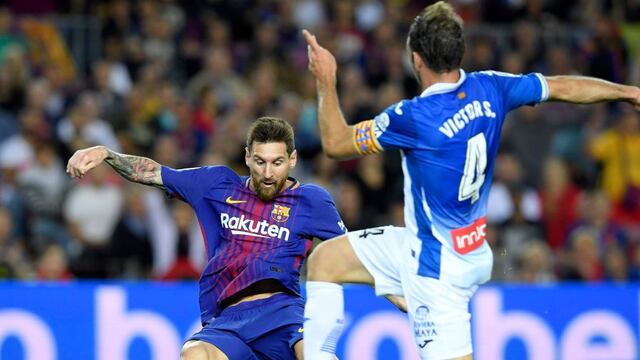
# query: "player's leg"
466,357
218,340
298,349
335,261
331,264
200,350
365,257
275,327
439,318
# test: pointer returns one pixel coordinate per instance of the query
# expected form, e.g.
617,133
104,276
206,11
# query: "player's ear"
247,155
293,159
417,60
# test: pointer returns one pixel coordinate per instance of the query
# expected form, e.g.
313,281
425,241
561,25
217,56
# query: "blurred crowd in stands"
181,81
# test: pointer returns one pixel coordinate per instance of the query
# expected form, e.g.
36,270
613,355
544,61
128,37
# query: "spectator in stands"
44,185
582,261
559,198
618,151
510,199
130,253
110,103
7,241
92,211
182,267
83,127
616,265
53,265
535,263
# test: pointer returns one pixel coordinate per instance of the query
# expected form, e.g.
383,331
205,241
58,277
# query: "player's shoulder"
484,77
314,192
492,74
219,171
399,110
313,189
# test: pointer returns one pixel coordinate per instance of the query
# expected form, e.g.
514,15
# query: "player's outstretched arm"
133,168
588,90
336,135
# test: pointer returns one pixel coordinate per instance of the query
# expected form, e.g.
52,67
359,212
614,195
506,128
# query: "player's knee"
197,350
322,264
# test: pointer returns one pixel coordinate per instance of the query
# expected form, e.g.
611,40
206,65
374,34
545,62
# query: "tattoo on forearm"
135,168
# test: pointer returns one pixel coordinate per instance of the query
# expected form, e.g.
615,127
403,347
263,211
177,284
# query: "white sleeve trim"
545,87
499,73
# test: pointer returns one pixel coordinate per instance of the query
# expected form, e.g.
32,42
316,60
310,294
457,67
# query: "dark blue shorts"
260,329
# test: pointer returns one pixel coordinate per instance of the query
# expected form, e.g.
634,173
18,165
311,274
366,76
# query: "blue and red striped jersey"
247,239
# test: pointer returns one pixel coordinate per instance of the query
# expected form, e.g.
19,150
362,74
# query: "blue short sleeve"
519,90
394,129
325,220
191,184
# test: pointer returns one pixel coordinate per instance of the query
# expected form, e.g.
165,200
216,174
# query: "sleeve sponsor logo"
342,226
381,124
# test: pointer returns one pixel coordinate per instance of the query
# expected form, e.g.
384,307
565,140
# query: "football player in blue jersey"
257,229
448,137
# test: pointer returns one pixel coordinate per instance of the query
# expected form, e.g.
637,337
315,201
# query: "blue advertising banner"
112,321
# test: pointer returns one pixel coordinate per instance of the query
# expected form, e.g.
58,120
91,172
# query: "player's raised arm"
133,168
588,90
337,137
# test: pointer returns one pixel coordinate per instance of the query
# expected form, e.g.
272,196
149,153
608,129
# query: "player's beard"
265,193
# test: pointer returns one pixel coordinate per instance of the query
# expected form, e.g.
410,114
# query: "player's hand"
321,62
85,160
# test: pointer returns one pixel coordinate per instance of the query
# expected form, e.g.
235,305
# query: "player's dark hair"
436,35
268,129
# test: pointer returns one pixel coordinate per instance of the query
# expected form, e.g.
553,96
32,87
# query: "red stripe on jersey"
299,258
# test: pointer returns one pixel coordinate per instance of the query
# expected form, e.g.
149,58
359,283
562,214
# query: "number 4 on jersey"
474,169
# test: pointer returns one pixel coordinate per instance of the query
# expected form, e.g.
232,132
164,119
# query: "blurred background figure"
617,151
535,263
130,254
53,264
559,197
91,211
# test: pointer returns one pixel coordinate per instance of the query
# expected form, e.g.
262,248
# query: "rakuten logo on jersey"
469,238
243,226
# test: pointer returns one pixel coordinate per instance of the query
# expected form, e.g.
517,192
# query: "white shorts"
438,312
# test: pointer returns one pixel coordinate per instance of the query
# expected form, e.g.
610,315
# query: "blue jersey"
449,138
248,240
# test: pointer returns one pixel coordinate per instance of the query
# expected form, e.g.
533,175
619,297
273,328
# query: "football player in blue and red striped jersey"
258,230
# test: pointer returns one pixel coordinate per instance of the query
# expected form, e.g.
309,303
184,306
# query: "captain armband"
364,138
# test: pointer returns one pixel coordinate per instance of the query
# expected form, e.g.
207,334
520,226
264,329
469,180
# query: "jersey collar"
294,183
439,88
